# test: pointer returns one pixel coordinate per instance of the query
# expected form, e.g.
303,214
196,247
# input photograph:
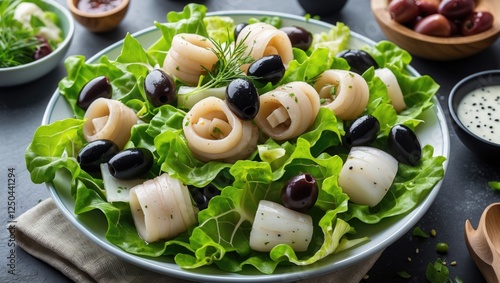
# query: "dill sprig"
230,58
17,45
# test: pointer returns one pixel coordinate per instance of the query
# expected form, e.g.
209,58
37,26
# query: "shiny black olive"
300,193
130,163
238,28
267,69
202,196
242,98
94,89
358,60
199,198
299,37
404,145
159,88
94,153
362,131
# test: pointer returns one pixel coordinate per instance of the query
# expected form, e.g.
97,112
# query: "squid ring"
109,119
214,132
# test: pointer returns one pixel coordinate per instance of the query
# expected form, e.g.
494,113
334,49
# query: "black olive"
267,69
358,60
299,37
362,131
202,196
94,89
242,98
94,153
300,193
210,191
159,88
404,145
238,28
130,163
199,198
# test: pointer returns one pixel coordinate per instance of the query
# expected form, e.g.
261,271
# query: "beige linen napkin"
46,234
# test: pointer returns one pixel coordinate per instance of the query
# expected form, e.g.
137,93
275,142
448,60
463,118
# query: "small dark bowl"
486,150
322,7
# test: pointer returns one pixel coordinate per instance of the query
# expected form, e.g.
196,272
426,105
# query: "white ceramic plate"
434,132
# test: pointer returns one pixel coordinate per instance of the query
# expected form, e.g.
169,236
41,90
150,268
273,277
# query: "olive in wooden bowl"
437,31
474,105
98,15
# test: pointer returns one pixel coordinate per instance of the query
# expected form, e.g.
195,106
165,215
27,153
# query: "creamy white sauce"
479,111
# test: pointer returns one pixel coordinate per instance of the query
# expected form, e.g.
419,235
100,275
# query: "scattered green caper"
442,248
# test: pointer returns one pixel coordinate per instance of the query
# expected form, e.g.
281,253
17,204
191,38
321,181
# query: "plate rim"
416,214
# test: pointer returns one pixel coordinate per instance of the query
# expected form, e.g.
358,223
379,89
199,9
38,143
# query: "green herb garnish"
228,67
17,44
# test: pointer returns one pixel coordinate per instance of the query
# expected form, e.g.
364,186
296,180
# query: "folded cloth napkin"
46,234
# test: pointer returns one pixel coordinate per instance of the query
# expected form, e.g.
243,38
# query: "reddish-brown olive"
434,25
404,145
299,37
267,69
130,163
94,89
300,192
242,98
159,88
362,131
403,11
43,48
94,153
427,7
456,9
477,22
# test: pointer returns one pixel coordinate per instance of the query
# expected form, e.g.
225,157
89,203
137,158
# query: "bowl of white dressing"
474,105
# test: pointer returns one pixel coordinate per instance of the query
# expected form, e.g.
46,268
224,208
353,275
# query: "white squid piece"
367,175
393,88
189,57
346,93
214,132
287,111
161,208
264,39
275,224
109,119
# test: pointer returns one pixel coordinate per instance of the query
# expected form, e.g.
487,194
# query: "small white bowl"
29,72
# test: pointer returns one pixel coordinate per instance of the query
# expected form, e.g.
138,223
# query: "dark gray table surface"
463,195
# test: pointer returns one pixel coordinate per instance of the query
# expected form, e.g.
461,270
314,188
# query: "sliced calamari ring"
189,57
367,175
345,93
109,119
214,132
264,39
287,111
393,88
161,208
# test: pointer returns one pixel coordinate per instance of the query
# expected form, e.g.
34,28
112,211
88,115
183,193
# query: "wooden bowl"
438,48
99,22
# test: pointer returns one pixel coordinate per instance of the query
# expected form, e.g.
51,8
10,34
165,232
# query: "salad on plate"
247,149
